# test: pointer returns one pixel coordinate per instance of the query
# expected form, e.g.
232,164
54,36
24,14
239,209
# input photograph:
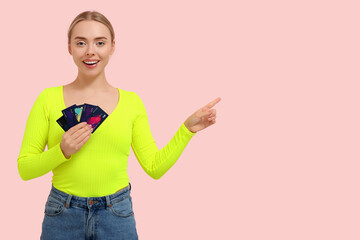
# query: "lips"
91,63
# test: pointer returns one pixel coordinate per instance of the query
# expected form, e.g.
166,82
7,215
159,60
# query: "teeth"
91,62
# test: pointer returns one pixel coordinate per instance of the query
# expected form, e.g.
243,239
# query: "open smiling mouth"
91,64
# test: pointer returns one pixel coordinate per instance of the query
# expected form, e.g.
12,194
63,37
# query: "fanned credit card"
76,114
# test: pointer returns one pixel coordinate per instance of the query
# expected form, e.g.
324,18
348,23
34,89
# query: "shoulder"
51,90
48,93
131,95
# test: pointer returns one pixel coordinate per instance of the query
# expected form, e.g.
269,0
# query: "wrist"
65,155
188,128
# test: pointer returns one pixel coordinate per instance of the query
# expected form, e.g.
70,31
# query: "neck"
95,82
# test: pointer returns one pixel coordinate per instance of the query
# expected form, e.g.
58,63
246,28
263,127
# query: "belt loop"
107,201
129,186
68,201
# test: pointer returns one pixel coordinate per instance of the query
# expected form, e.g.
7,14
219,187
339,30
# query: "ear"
69,48
113,48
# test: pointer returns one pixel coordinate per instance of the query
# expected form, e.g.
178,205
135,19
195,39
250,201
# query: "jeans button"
91,202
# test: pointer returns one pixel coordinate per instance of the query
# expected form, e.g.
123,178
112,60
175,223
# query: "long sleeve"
33,162
156,162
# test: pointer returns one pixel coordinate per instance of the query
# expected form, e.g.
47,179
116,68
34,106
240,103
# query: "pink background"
282,161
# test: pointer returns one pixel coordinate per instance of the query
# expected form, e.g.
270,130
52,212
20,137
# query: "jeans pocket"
122,208
53,207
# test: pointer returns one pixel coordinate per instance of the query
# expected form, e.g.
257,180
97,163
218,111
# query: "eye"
79,44
102,43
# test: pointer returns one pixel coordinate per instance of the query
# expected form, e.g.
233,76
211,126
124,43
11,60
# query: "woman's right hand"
75,138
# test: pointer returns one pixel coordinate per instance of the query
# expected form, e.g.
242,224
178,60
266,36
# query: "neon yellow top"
99,168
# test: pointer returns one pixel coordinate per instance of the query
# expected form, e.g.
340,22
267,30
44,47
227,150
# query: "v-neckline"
117,106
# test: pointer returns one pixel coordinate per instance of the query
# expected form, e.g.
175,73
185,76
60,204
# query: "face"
91,42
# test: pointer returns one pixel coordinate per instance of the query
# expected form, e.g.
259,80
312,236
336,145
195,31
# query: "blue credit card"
70,116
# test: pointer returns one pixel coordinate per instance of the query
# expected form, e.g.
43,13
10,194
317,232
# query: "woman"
90,192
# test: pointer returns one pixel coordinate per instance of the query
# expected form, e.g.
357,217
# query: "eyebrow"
78,37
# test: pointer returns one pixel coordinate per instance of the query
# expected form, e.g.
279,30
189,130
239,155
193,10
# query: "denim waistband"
89,202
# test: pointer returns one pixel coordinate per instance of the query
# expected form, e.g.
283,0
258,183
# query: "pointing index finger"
213,103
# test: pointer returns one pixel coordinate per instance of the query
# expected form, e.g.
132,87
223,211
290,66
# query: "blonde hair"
91,15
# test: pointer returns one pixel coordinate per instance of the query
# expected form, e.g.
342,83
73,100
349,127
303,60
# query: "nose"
89,50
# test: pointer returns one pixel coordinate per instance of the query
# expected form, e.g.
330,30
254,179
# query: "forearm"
31,166
157,162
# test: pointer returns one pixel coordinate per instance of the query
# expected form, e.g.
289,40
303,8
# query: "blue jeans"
71,217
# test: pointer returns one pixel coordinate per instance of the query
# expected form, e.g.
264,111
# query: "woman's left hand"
202,118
